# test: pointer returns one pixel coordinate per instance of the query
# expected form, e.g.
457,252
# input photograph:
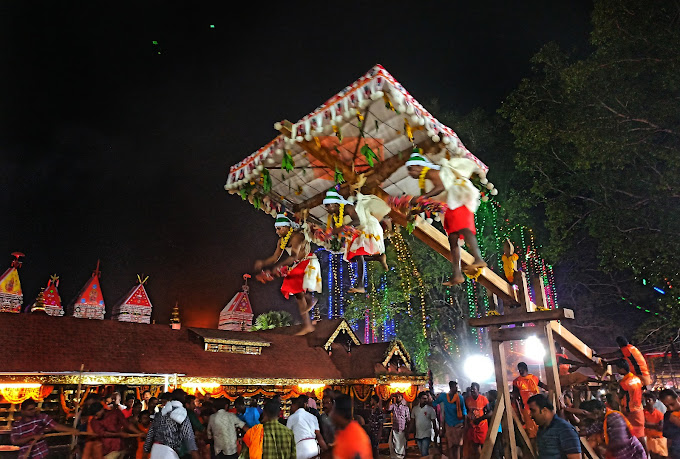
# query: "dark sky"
110,150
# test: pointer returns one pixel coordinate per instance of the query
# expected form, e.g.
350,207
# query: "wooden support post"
523,434
525,304
588,451
509,442
494,423
539,292
550,363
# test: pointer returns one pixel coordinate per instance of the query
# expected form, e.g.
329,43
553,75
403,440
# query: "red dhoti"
305,276
458,219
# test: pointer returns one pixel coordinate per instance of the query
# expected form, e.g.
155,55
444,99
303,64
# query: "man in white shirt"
423,416
305,427
222,429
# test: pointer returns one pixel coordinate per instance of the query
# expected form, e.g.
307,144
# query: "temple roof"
240,303
114,347
10,283
386,113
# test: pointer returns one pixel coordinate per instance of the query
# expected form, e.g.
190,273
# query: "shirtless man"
369,245
299,266
462,199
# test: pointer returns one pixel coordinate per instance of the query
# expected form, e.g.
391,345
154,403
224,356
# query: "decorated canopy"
11,296
369,128
51,298
89,304
135,306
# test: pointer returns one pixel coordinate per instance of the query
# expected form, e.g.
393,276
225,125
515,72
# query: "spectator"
110,427
478,414
129,403
401,417
222,430
326,424
250,415
656,442
556,438
376,422
278,440
671,422
171,429
151,405
28,431
631,400
305,426
146,396
351,441
423,418
454,419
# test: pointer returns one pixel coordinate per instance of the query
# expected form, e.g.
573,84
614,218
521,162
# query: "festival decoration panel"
135,308
11,296
89,304
366,123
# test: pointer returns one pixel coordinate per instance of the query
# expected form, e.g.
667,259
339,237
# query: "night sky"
112,151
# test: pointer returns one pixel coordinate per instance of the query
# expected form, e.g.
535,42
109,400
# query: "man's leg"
304,308
471,241
361,276
457,276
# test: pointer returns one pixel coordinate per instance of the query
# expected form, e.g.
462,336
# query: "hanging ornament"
369,155
337,132
339,178
388,103
408,130
287,162
360,119
266,181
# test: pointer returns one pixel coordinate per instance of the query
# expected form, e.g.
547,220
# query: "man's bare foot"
455,280
356,290
478,263
305,330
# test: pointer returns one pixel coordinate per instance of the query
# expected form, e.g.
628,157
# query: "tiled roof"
31,343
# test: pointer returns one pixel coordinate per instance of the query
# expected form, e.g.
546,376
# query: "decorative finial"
245,287
54,280
16,263
139,279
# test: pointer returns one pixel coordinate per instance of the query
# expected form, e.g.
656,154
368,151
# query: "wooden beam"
550,362
494,423
522,317
320,153
571,343
500,367
513,334
539,292
424,231
588,451
523,434
438,241
374,178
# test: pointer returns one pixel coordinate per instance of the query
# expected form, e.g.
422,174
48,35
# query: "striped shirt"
165,431
34,426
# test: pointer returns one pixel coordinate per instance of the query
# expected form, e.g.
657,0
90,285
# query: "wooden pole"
509,442
494,423
550,363
77,414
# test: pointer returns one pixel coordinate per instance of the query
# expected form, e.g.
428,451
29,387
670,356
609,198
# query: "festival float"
359,142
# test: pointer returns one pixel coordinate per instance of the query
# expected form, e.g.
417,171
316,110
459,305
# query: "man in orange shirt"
636,361
630,396
351,440
656,442
525,386
478,412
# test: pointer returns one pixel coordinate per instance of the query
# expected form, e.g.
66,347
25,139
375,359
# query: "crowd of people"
622,420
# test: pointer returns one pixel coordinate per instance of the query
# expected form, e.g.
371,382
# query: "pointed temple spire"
89,304
11,296
135,306
237,315
39,305
175,323
51,298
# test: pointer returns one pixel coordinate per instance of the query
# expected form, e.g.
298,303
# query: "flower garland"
421,179
338,219
284,241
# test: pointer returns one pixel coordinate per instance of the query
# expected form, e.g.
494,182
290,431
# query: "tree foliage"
272,319
598,140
